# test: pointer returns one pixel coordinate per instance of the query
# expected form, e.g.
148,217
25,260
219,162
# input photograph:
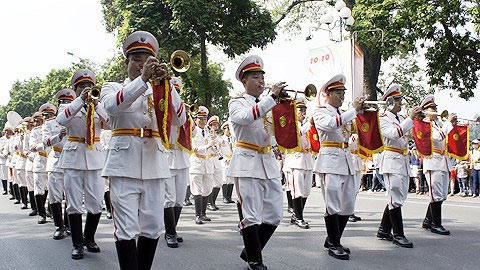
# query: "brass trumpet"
309,92
179,62
444,116
94,93
193,108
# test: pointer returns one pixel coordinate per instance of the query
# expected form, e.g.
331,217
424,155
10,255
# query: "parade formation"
144,151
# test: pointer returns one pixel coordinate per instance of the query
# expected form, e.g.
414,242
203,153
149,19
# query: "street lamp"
341,16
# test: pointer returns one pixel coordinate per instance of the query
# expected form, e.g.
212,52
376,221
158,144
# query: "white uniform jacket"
226,149
51,137
76,155
3,145
30,155
200,163
251,125
331,128
133,156
19,152
215,153
8,152
38,148
393,132
438,162
177,158
353,148
301,160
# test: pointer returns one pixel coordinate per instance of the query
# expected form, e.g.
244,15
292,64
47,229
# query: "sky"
38,34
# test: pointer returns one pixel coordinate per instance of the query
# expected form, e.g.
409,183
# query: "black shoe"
109,215
5,193
327,245
338,252
199,220
439,229
17,202
427,224
179,238
67,231
42,220
77,253
225,201
49,214
205,218
256,266
212,207
24,206
290,210
352,219
384,235
401,241
357,218
171,240
302,224
187,203
91,246
59,234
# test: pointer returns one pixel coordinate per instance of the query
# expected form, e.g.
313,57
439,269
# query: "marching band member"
357,165
82,159
105,137
8,157
3,168
395,165
213,124
12,144
20,163
39,166
334,165
29,167
137,160
201,169
53,135
436,168
298,168
227,150
176,185
256,172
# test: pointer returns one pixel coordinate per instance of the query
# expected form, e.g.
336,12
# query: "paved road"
216,245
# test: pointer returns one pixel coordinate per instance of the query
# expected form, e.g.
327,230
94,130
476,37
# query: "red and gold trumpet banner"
458,142
285,126
184,140
162,104
422,136
90,137
312,135
370,139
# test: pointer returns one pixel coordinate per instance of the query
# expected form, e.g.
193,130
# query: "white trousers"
137,207
299,182
338,192
397,189
30,182
176,187
217,178
201,184
10,174
79,183
107,184
261,200
227,179
40,183
21,178
3,172
55,187
14,176
438,185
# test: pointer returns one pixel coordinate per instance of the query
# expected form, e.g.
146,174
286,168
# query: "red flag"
184,140
458,142
370,139
312,135
162,103
285,126
90,137
422,135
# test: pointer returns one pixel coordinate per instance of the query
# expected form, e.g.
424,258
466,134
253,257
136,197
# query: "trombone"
179,62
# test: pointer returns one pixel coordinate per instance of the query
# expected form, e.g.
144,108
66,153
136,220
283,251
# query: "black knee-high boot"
177,211
33,204
384,231
297,216
108,206
146,248
204,208
427,222
66,220
12,192
24,196
253,246
436,209
127,254
198,209
170,232
335,249
225,193
399,238
16,190
42,213
229,193
213,199
75,221
91,225
188,193
5,188
58,221
289,201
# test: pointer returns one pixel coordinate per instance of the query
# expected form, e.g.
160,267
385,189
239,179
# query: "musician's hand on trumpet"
278,89
415,112
151,68
358,104
452,118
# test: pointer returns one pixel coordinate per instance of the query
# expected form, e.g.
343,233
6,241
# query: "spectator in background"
415,168
475,166
462,175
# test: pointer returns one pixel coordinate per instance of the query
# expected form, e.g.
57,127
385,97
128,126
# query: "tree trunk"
372,63
204,71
